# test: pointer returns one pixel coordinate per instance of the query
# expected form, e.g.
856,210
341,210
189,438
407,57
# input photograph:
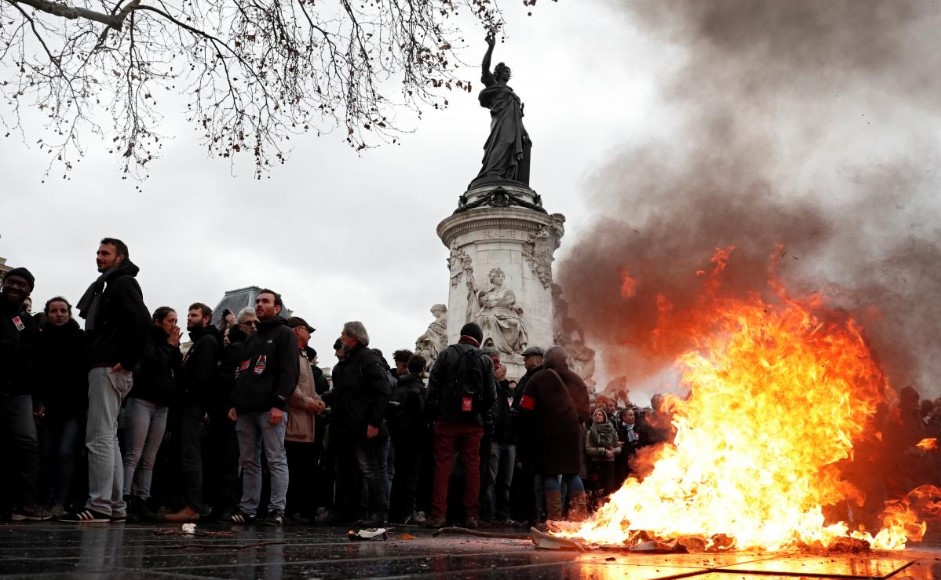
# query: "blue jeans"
57,450
386,467
146,423
106,390
499,478
554,482
372,455
254,431
19,428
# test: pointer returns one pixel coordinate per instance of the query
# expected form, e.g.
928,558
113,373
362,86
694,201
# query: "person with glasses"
247,320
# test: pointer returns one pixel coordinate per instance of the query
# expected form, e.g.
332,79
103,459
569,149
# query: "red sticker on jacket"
19,324
244,365
260,364
467,404
527,403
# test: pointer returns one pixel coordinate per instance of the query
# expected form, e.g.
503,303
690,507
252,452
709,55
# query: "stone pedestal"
502,228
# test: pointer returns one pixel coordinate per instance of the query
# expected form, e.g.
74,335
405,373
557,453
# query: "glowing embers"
778,391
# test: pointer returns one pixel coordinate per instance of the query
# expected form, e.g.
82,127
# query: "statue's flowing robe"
507,150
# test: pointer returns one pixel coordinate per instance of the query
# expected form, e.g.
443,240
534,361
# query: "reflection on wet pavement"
150,551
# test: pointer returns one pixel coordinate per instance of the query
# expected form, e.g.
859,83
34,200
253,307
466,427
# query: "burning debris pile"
778,391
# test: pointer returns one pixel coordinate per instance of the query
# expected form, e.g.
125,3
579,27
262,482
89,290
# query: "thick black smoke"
808,123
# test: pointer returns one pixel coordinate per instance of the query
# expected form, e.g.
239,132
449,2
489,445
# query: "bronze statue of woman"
507,150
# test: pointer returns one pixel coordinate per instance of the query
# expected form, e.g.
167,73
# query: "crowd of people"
115,421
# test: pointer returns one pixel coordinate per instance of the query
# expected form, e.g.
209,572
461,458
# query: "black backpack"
464,396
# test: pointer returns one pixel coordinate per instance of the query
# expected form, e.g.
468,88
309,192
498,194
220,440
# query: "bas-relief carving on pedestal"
539,248
568,332
435,339
496,311
459,263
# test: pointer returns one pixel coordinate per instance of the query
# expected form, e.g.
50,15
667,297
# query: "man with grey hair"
358,400
553,412
247,320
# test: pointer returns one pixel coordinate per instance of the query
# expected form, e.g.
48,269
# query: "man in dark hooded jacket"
266,378
460,428
18,336
200,375
409,430
117,323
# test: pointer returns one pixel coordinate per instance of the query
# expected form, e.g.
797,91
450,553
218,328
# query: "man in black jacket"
200,374
459,428
358,400
527,487
18,336
267,375
117,323
409,430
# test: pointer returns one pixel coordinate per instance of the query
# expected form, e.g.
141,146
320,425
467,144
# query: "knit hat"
24,274
472,329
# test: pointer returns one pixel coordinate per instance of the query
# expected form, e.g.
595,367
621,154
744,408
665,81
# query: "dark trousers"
191,441
526,490
302,463
222,456
18,431
451,439
349,486
408,456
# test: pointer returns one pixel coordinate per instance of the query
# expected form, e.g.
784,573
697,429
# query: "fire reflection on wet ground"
149,551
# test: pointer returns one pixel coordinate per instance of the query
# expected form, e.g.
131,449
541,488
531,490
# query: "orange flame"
928,444
777,395
628,284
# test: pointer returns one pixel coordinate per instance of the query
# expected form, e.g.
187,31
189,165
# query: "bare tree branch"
253,73
115,21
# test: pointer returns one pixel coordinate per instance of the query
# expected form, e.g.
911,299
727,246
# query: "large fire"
778,391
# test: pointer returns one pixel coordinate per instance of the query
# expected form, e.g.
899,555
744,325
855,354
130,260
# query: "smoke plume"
805,123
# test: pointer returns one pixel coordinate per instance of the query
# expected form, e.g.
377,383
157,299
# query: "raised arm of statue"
486,76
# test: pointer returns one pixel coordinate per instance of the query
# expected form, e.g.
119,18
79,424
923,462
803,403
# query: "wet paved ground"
143,551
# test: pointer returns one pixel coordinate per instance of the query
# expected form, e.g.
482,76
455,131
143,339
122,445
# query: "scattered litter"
369,534
405,537
189,529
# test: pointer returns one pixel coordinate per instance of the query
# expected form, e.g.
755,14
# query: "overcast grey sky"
342,236
662,129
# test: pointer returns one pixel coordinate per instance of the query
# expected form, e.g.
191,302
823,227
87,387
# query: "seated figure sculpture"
499,316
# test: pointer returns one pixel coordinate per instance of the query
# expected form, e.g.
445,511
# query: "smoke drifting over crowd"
804,123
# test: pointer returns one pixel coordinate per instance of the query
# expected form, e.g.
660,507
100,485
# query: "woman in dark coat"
553,411
62,399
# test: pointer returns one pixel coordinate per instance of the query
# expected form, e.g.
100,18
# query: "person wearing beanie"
18,335
462,392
